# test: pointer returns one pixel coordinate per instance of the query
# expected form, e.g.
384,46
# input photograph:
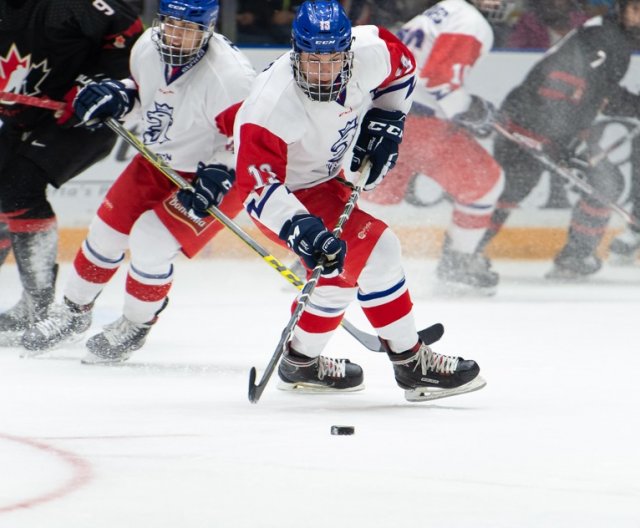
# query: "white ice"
169,439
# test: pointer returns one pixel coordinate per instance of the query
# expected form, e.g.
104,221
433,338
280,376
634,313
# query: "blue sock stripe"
378,295
101,258
151,276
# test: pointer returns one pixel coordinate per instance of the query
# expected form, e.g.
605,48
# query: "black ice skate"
427,375
464,272
30,309
624,249
64,324
116,342
573,268
319,374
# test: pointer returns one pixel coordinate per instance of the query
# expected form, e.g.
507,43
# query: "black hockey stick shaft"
566,173
256,390
629,136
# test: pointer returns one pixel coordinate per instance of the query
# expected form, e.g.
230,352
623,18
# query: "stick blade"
254,396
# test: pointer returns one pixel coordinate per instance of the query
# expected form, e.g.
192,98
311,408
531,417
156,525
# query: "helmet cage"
496,11
308,70
179,44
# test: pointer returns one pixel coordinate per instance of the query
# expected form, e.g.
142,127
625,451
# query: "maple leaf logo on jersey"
18,75
158,123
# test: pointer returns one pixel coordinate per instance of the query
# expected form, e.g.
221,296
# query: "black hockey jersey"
575,80
45,45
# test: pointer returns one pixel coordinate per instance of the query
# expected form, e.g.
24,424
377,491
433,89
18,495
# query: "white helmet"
495,10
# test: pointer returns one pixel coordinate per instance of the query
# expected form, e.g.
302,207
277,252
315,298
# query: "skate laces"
334,368
57,321
121,331
427,359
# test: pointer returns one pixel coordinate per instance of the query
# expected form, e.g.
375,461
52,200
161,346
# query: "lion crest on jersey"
158,122
18,75
339,148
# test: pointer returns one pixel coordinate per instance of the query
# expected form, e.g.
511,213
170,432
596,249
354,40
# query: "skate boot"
464,272
573,268
319,374
426,375
65,324
624,249
116,342
31,307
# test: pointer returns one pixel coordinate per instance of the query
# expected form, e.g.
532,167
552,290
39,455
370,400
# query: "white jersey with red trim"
180,107
447,40
286,142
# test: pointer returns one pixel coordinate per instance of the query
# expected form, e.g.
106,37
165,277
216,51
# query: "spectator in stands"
265,21
545,23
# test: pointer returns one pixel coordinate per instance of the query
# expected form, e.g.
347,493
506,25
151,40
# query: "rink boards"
536,230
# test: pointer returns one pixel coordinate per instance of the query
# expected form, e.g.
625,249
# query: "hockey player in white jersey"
187,83
293,134
447,40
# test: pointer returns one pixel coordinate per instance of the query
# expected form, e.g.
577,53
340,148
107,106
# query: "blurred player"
292,134
447,40
553,110
48,48
184,77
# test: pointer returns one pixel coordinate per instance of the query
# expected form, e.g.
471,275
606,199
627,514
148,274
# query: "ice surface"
169,439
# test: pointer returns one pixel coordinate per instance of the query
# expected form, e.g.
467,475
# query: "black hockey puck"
342,429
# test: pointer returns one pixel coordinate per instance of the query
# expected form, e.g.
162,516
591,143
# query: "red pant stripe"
90,272
385,314
30,225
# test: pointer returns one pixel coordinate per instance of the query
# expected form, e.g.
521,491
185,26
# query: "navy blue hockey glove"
307,236
98,101
380,134
478,118
211,184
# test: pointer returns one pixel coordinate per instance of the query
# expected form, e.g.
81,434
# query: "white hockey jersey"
180,107
447,40
286,142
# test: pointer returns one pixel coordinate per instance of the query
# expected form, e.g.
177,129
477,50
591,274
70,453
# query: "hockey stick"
368,340
30,100
566,173
629,136
255,391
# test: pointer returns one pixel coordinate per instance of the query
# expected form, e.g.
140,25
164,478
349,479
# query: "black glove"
478,118
380,134
98,101
307,236
211,184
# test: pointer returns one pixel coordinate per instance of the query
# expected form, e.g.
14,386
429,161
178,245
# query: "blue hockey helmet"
183,28
202,12
321,57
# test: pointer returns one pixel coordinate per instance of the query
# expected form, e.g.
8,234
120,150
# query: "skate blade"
567,277
93,359
313,388
458,289
71,340
428,393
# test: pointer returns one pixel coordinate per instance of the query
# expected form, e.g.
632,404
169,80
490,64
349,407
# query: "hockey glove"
307,236
478,118
98,101
211,184
380,134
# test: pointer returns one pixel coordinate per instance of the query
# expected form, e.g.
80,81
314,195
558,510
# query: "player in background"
183,78
447,40
553,109
48,48
337,86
